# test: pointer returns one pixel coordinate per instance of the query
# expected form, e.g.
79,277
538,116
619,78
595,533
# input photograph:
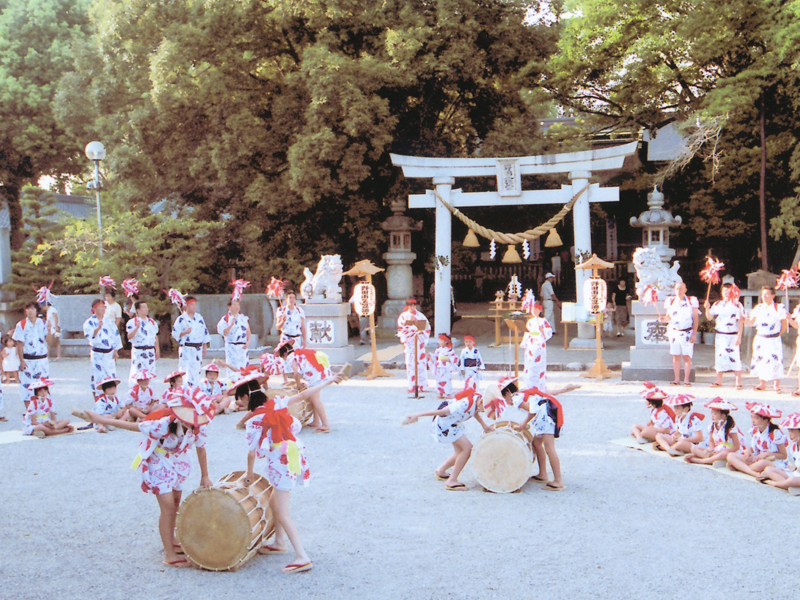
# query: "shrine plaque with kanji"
320,331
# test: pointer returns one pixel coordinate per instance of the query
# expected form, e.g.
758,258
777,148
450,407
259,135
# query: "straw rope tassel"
512,238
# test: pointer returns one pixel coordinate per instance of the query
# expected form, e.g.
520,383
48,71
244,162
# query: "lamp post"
95,151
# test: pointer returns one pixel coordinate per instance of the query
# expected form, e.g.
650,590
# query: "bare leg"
442,469
166,527
552,456
649,433
773,474
463,449
676,368
319,410
541,458
687,368
279,502
737,462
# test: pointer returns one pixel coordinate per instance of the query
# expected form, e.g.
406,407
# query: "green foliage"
36,38
163,250
43,223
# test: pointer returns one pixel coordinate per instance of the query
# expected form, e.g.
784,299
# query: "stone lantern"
655,224
399,278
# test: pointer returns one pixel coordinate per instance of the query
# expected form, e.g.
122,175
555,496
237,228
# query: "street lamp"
95,151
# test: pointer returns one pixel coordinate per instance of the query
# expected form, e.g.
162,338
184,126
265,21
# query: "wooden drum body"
223,526
503,459
302,411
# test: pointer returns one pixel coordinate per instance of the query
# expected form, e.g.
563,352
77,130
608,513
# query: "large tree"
279,116
36,38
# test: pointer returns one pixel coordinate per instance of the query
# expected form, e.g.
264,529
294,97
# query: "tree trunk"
762,201
10,193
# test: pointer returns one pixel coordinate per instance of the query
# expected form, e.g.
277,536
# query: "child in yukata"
141,399
309,367
471,363
213,388
688,427
272,434
448,423
662,418
107,402
548,419
722,437
163,458
788,477
175,382
767,443
445,361
40,419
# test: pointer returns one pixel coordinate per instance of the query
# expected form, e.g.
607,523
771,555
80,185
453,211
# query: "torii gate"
509,171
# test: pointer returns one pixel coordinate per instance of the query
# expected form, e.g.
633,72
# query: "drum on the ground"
222,527
302,411
503,459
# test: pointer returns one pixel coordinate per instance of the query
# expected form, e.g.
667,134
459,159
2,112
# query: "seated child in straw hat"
39,419
141,399
767,443
789,476
722,437
448,421
688,427
213,388
662,418
107,402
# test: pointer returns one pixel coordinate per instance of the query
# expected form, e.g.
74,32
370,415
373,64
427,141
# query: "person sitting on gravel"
788,476
767,443
722,437
213,388
141,399
662,418
448,422
107,402
40,419
688,427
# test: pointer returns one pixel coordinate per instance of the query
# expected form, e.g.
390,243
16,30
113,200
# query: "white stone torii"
443,173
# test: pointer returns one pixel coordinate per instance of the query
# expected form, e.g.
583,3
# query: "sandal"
441,477
777,390
796,392
715,384
537,480
687,384
459,487
759,388
272,550
322,430
554,488
674,383
181,563
739,386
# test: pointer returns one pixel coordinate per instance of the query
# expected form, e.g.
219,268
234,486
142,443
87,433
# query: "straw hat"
679,400
791,421
720,404
173,375
764,410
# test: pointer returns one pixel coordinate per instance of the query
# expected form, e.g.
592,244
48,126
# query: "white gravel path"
377,524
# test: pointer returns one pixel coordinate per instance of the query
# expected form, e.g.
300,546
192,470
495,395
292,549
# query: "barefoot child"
471,363
449,429
723,436
141,400
272,434
39,419
662,418
788,477
688,427
548,418
445,362
767,443
162,459
107,402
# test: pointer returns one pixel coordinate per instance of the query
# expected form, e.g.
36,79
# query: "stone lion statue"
323,286
652,271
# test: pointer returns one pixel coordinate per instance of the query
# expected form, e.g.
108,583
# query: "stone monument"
399,278
326,314
650,358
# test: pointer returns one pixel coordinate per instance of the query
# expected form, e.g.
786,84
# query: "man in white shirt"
113,310
682,312
549,301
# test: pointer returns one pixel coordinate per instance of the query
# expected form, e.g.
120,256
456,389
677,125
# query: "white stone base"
326,330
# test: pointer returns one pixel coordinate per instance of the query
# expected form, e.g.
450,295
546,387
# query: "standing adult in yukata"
729,315
143,335
549,301
192,335
534,343
290,320
235,328
682,312
410,336
32,339
105,343
770,321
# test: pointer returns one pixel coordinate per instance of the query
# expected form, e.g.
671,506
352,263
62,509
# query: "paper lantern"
364,299
595,295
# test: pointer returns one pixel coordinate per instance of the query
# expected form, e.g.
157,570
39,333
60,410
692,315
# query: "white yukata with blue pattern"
33,336
103,346
143,351
235,341
190,352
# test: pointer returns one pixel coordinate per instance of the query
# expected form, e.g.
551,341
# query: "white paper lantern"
595,295
364,299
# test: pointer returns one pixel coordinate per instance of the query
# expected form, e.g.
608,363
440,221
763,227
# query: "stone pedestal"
650,357
326,330
399,287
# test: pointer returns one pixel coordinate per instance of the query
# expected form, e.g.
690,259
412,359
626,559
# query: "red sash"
552,400
279,421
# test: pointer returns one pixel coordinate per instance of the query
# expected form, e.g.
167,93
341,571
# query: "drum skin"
503,459
222,527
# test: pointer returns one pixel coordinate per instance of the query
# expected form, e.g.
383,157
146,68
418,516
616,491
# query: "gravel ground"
377,523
